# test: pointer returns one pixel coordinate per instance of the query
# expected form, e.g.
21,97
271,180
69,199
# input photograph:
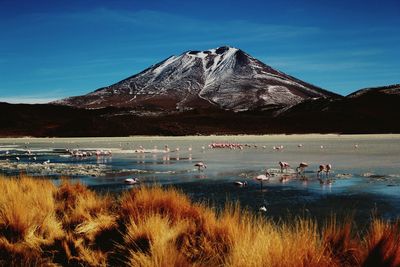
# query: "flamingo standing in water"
300,169
321,168
261,178
284,165
200,165
328,168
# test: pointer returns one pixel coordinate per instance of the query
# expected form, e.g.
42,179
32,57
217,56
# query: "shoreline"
213,137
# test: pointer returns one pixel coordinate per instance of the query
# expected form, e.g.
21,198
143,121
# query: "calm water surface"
366,178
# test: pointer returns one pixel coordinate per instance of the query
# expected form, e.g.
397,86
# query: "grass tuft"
383,244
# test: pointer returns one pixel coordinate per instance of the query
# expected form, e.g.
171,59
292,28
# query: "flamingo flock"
230,145
227,145
280,147
324,168
284,167
83,154
284,176
103,153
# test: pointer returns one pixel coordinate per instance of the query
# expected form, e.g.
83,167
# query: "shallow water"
365,178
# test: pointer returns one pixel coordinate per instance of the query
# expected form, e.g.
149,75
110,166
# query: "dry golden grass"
70,225
382,244
27,218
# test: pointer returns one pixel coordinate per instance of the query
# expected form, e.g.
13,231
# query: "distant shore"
217,137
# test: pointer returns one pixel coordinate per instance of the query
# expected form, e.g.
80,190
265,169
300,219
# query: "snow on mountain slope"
226,77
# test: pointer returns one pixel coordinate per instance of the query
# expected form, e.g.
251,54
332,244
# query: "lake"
365,172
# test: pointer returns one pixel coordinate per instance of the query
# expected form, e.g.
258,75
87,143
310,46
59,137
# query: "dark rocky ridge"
373,111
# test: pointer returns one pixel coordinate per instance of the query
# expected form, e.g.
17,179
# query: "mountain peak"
225,77
223,50
218,50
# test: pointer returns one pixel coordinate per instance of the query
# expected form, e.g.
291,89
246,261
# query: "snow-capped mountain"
225,77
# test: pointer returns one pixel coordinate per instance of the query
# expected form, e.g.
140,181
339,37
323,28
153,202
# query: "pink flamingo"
284,165
261,178
131,180
328,168
200,165
301,167
321,168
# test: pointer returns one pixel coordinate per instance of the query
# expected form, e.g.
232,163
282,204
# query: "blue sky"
54,49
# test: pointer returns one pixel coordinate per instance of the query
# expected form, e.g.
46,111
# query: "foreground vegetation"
69,225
